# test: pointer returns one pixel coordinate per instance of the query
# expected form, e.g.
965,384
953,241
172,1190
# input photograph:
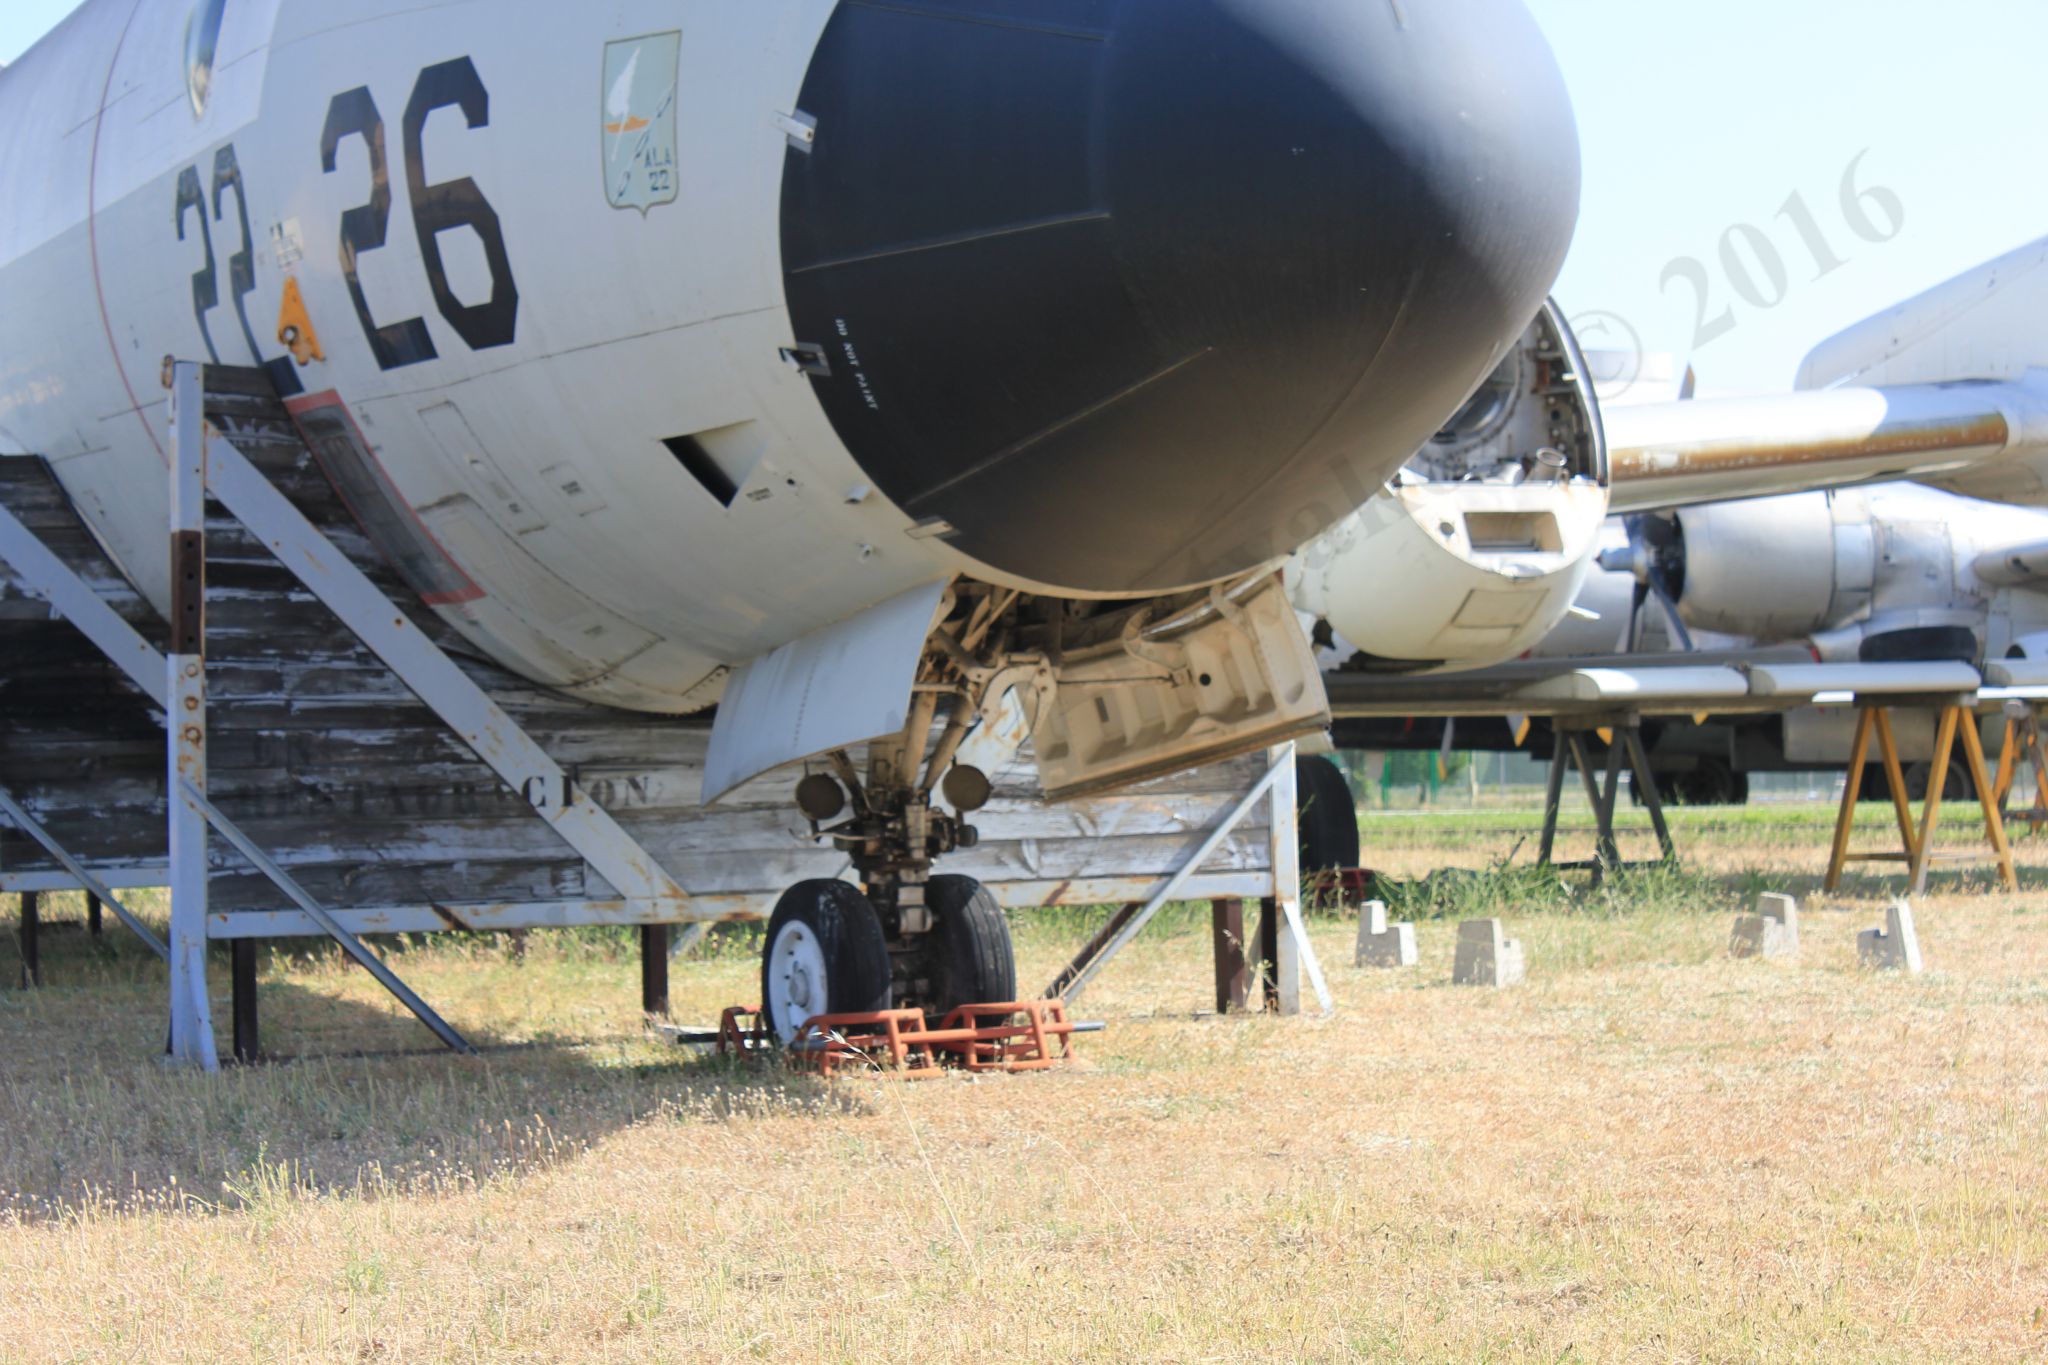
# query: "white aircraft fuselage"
654,335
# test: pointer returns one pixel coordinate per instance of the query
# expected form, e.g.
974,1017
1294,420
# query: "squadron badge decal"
639,121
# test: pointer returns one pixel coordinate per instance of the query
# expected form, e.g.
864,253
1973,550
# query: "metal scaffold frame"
1623,734
176,681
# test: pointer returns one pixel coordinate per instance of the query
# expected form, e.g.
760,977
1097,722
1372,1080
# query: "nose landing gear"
828,953
908,939
911,940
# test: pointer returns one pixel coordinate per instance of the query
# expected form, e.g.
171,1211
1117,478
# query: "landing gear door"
843,685
1242,677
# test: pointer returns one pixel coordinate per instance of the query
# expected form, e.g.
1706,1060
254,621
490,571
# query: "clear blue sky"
24,21
1696,117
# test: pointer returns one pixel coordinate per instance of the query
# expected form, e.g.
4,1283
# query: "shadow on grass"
357,1099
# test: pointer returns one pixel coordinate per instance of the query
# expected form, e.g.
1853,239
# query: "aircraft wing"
1948,388
1982,438
1751,681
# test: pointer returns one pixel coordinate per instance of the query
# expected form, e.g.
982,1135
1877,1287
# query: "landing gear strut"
910,939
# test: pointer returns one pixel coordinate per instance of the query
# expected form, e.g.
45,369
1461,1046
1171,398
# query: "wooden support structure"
350,944
96,891
242,974
1269,955
92,914
375,775
654,970
1233,975
1953,716
1292,952
1603,790
31,941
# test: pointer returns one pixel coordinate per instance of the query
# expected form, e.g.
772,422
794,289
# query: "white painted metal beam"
191,1041
1296,953
120,878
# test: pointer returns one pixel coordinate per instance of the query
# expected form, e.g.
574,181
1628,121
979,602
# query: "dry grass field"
1647,1152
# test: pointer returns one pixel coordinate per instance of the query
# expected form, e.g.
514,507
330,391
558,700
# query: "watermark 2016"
1754,267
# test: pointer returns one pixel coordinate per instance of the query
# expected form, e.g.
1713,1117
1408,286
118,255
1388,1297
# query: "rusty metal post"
92,914
31,941
654,970
191,1039
1233,978
247,1044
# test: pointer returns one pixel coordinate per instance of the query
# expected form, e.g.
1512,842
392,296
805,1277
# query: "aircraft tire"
1958,787
823,954
972,960
1326,815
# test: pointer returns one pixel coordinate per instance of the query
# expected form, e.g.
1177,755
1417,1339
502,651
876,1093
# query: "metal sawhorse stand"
1953,714
1625,737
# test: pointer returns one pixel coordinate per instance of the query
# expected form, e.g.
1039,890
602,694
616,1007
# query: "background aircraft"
1496,535
1948,387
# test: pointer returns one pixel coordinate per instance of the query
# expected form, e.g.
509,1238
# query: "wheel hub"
796,978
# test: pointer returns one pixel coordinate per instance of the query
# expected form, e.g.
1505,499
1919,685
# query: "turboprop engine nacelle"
1476,549
1890,572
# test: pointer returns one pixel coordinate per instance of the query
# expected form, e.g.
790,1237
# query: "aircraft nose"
1127,295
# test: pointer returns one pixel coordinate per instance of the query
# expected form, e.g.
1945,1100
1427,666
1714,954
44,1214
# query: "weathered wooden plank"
347,887
500,916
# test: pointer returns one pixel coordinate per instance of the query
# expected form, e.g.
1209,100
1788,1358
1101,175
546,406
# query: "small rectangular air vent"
691,455
1513,533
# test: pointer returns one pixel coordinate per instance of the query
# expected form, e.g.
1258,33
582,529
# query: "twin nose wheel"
827,953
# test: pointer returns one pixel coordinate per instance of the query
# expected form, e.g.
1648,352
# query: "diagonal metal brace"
350,944
1135,925
435,679
34,829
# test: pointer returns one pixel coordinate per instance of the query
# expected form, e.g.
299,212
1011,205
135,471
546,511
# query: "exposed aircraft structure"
1473,552
850,366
